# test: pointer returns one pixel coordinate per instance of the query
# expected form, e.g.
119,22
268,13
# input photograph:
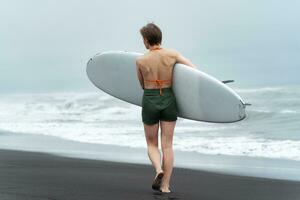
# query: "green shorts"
157,107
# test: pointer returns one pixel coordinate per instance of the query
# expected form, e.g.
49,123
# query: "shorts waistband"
157,90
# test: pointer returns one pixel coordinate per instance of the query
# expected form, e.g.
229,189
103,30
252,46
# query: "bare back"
157,64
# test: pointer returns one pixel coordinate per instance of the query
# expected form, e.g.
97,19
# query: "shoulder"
139,60
172,52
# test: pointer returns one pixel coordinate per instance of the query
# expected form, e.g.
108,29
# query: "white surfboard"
199,96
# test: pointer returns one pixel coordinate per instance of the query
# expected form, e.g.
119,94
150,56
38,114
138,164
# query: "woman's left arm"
139,74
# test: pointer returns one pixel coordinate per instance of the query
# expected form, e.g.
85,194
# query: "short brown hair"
152,33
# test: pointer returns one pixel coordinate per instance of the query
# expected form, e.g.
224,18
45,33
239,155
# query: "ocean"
270,130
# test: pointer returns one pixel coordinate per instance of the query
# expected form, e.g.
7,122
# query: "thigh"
151,133
167,132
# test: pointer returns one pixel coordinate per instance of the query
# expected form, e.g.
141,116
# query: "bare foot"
157,180
164,190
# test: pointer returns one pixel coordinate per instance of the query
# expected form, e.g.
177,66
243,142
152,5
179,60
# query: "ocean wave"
287,111
242,146
260,89
269,130
133,137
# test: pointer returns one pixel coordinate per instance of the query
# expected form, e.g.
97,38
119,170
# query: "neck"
154,47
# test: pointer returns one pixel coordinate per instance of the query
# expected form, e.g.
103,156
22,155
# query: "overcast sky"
45,44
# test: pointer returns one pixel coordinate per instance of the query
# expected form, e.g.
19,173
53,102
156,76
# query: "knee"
152,144
166,143
166,146
152,140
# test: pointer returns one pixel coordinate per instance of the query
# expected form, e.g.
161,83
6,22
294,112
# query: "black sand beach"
30,175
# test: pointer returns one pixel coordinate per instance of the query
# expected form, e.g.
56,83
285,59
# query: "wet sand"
31,175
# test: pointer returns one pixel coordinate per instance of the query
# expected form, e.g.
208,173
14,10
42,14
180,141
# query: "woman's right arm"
180,59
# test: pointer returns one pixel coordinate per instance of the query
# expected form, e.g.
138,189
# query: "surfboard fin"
228,81
245,104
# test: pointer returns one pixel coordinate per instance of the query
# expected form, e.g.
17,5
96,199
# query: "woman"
154,71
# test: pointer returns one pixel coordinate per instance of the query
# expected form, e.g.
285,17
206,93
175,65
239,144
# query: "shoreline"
44,176
228,165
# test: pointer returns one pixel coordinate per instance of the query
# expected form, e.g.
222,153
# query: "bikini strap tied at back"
159,83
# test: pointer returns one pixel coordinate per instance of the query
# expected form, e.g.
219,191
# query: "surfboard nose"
91,59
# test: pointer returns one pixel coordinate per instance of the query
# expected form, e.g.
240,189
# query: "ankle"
164,187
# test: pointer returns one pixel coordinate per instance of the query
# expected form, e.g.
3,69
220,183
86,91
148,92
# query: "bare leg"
167,132
151,133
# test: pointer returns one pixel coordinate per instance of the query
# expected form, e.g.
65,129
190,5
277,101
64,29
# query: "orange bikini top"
159,82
